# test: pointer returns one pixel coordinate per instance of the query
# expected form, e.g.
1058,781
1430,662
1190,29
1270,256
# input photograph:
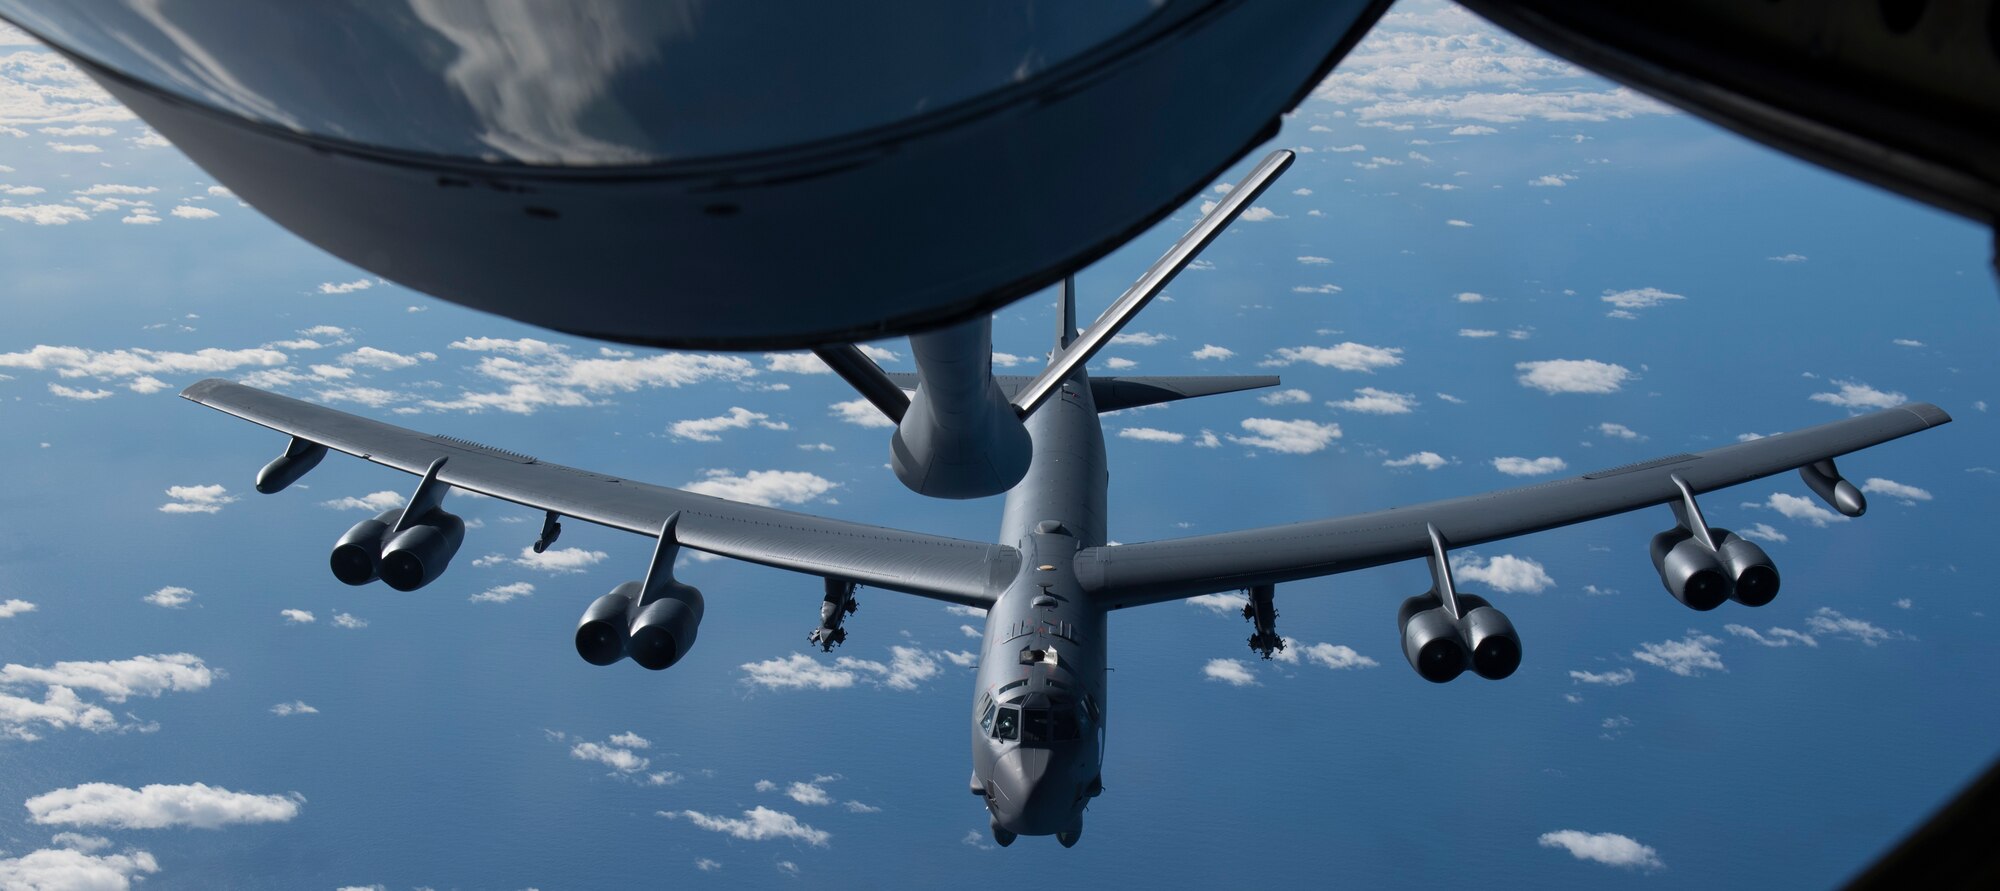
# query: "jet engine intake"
420,553
665,628
1431,639
357,556
604,630
1755,576
1690,571
1496,646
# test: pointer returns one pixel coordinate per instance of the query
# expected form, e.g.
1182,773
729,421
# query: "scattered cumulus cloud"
1687,657
1300,437
1908,495
1855,395
295,707
504,593
862,413
1608,848
1425,460
196,499
757,824
1618,678
763,487
159,806
1369,400
375,502
710,429
1150,434
1347,356
1572,376
171,597
298,616
1229,671
14,607
1211,351
1517,466
1506,573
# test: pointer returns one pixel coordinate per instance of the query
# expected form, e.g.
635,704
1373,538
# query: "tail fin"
1066,314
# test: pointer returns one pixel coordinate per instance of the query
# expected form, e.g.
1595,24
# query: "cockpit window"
1066,724
1035,725
1008,725
986,721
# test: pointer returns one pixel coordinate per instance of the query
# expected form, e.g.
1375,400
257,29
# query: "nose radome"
1027,800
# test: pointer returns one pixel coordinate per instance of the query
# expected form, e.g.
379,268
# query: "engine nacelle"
357,556
1755,576
602,633
1496,646
420,553
299,457
1431,639
1825,481
665,628
1691,572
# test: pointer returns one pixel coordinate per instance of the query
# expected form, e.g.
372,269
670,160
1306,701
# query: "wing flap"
1151,572
948,569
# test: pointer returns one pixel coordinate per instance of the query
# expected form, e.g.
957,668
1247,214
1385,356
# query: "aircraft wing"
948,569
1152,572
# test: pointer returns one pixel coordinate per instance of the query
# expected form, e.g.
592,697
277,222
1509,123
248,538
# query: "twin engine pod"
407,548
1441,646
653,621
405,560
1702,578
656,635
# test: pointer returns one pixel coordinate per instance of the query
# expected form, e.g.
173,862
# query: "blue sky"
1484,269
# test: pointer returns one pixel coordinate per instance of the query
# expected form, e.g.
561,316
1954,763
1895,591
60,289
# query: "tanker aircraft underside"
1039,707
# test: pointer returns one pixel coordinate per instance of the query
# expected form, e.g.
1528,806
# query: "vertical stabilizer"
1066,314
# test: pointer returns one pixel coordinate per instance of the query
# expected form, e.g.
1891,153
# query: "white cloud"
1116,363
1506,573
861,412
538,375
1149,434
757,824
1906,494
1348,356
1803,510
298,616
75,362
1285,397
193,805
1764,532
196,499
1229,671
1787,258
1300,437
1316,289
191,212
1426,460
115,188
504,593
1220,604
1572,376
118,680
14,607
1831,623
1471,297
1139,339
170,597
1477,332
1636,299
552,560
295,707
349,621
1551,180
709,429
72,869
1461,224
907,668
1687,657
1211,351
1618,678
77,394
375,502
808,793
617,758
1608,848
1310,260
384,360
1857,395
1618,431
630,740
1776,637
1517,466
359,284
879,354
765,487
1369,400
795,363
1473,130
75,148
43,214
1336,656
1907,342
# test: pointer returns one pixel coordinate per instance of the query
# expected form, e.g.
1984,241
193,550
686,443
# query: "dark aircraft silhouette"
722,175
1040,703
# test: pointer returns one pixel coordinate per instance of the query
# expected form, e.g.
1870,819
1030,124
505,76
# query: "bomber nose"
1029,797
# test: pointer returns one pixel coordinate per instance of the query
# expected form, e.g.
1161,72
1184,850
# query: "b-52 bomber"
1040,704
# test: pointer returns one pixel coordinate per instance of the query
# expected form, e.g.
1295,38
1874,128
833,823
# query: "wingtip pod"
1824,479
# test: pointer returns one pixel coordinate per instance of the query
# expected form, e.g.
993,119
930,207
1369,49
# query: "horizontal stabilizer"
1114,393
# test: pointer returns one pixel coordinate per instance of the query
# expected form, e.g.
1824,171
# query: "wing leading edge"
948,569
1153,572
